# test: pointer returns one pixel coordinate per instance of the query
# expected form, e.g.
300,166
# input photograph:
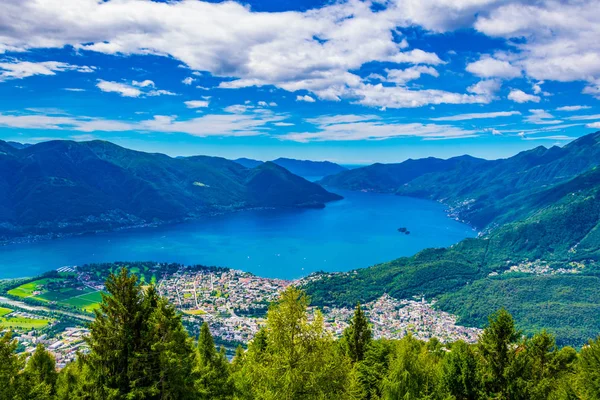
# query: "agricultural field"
5,311
64,291
10,319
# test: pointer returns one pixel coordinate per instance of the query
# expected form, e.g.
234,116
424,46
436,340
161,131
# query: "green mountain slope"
482,193
557,241
305,168
64,186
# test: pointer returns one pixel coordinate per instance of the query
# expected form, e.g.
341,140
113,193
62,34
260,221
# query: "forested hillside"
553,251
64,186
139,349
304,168
482,193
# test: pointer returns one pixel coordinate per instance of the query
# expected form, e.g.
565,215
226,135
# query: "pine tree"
138,346
10,365
40,374
460,376
213,369
497,346
357,336
589,370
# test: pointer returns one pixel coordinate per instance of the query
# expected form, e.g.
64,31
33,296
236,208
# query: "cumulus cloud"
305,98
317,50
188,81
402,76
557,40
489,67
196,103
136,89
519,96
313,50
15,69
464,117
487,87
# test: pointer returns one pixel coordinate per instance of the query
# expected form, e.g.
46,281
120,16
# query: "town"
235,304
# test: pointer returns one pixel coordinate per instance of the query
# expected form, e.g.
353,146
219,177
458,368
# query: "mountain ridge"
66,186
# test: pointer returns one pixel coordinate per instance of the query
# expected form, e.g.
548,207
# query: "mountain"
65,186
248,162
387,178
304,168
308,168
480,192
553,250
18,145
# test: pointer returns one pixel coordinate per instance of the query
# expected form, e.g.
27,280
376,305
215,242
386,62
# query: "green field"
68,293
23,323
5,311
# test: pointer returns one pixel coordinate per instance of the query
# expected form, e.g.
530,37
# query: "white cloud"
558,40
197,104
488,67
551,137
573,108
464,117
519,96
541,117
593,125
133,90
16,69
121,88
487,87
402,97
207,125
584,117
312,50
74,89
357,127
188,81
146,83
305,98
402,76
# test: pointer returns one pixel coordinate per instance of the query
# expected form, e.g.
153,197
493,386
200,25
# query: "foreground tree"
588,379
357,336
460,375
497,346
213,370
10,365
138,346
293,358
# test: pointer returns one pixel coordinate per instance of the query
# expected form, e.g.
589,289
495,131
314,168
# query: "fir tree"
357,336
213,369
497,346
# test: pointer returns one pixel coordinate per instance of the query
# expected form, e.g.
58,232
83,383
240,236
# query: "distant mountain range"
66,187
540,258
481,192
304,168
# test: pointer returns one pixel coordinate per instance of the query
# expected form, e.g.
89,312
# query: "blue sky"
348,81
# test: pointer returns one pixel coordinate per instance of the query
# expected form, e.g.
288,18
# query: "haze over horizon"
353,82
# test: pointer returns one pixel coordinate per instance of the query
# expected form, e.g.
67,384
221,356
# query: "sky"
350,81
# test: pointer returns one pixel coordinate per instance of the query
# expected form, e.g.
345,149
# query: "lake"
356,232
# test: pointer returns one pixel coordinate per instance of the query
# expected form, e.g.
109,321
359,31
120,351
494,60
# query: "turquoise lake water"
356,232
